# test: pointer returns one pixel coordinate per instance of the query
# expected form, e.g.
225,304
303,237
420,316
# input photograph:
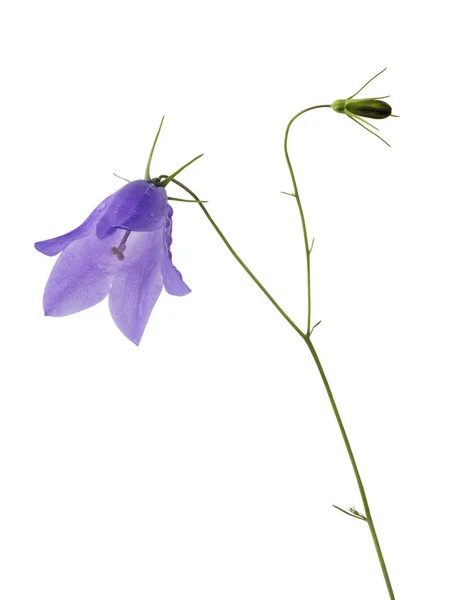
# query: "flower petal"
122,206
55,245
138,284
172,279
82,276
150,212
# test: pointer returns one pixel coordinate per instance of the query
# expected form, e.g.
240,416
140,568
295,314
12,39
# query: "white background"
204,463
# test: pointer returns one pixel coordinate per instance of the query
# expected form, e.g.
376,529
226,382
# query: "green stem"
312,349
238,259
308,342
302,217
366,506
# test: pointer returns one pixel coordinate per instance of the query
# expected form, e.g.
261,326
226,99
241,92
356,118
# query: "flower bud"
370,108
361,108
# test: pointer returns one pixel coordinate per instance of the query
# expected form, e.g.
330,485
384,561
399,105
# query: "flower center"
120,249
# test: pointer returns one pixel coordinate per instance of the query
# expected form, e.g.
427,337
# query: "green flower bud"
366,107
371,108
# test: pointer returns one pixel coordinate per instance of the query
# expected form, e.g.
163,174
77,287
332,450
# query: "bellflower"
122,250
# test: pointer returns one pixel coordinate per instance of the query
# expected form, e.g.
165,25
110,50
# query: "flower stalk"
302,216
312,349
369,107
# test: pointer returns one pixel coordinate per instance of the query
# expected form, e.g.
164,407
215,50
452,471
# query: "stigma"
119,250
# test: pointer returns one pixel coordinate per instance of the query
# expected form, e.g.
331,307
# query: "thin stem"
366,506
302,217
315,356
239,260
308,342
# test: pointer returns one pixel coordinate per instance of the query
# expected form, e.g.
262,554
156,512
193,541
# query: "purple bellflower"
122,250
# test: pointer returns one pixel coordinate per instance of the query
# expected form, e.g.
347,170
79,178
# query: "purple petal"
82,276
138,284
172,279
150,212
55,245
123,205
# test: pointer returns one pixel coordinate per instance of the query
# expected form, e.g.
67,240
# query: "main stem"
309,343
366,506
302,217
315,356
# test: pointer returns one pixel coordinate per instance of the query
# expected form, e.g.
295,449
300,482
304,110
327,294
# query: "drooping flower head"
122,250
371,108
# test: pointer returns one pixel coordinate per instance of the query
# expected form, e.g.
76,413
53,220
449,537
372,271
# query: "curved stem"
302,217
312,349
308,342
